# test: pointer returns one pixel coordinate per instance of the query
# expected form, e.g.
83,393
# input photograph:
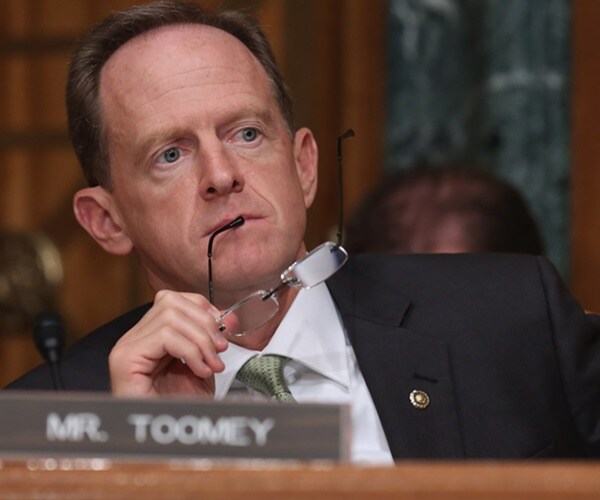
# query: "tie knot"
265,375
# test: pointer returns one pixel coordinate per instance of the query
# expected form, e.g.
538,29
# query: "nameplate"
84,425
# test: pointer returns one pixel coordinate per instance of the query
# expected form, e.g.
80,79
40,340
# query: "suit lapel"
396,361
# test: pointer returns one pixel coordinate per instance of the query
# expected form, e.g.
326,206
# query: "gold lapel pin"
419,399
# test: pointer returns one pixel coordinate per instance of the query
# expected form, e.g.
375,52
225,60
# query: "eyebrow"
264,114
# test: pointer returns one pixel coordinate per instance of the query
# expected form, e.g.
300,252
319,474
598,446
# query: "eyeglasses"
311,270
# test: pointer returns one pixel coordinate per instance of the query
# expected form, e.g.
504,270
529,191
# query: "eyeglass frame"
271,294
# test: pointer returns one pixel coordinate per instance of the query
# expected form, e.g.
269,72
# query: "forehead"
172,57
198,40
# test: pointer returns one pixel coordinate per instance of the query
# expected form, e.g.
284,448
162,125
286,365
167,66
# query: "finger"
231,323
199,328
190,314
149,356
182,348
197,309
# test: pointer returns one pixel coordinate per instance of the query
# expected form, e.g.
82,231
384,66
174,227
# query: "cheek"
149,216
294,216
290,198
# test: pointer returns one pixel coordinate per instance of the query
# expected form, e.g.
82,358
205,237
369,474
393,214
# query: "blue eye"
171,155
249,134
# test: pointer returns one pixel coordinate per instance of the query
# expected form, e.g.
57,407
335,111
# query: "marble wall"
485,81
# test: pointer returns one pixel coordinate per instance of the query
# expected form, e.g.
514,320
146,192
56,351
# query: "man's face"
195,139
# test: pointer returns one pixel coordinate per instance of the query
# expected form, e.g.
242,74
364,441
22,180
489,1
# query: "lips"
227,221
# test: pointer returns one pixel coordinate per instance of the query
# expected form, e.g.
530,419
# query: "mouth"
226,224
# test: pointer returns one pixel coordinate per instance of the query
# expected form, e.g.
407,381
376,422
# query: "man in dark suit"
182,124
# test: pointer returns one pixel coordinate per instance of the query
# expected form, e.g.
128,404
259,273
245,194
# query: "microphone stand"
49,338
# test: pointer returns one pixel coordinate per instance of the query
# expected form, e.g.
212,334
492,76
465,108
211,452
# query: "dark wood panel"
585,185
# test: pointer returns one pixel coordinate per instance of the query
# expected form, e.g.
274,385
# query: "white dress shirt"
323,369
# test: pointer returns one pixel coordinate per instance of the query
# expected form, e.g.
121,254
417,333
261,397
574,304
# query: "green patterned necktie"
265,375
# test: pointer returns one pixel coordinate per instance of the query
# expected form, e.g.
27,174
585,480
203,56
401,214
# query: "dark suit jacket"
510,362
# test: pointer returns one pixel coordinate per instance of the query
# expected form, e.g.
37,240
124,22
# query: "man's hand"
172,350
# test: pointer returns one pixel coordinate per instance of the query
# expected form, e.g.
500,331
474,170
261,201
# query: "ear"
95,210
306,156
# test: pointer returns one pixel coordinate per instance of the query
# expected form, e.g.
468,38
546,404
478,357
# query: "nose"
219,174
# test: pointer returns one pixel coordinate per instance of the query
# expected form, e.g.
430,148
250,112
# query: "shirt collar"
311,333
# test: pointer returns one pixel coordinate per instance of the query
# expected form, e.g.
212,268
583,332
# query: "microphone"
49,338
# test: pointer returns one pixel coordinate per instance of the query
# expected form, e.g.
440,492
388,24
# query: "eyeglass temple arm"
345,135
238,221
283,284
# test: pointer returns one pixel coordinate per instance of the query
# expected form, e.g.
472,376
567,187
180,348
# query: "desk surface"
95,478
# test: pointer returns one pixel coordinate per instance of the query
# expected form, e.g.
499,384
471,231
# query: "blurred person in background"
445,209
